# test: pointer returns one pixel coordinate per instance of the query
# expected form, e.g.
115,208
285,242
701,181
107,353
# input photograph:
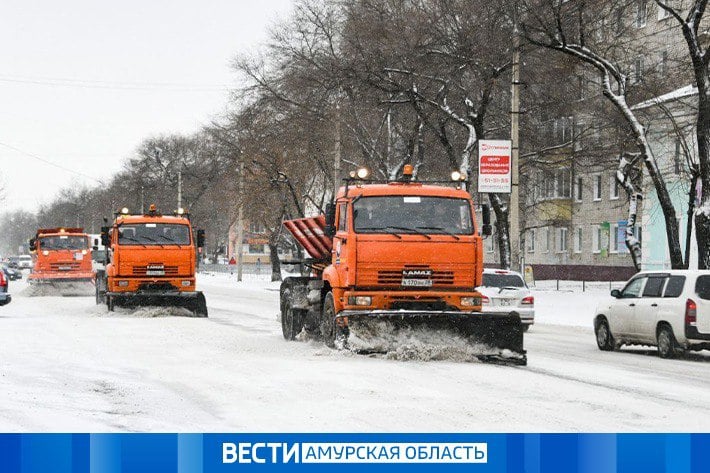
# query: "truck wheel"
291,320
327,322
605,341
200,308
667,345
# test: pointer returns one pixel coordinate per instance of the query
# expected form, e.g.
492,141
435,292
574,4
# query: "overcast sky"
82,82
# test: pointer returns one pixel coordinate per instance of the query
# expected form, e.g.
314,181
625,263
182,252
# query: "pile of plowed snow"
414,344
57,289
152,312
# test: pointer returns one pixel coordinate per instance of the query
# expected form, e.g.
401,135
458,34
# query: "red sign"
494,166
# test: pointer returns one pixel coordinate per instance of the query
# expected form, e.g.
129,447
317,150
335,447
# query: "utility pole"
240,223
337,151
142,202
179,189
514,207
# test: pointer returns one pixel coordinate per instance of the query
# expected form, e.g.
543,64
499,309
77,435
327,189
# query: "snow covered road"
68,365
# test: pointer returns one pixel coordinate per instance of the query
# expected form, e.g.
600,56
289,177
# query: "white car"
666,309
505,291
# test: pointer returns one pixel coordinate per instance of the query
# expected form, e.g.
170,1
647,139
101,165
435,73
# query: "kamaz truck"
397,256
151,261
61,256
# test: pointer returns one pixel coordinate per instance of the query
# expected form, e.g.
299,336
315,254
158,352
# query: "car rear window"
674,288
702,287
502,280
654,287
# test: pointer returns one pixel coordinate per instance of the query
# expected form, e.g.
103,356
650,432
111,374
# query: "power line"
46,161
99,84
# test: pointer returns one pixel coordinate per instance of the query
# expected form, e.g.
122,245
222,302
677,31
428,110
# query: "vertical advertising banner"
494,166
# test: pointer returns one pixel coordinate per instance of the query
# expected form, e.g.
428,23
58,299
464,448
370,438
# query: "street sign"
494,166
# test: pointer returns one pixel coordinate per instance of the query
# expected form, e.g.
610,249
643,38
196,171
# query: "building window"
256,248
547,239
561,240
598,187
613,187
614,238
677,160
641,13
578,190
578,240
638,70
557,184
531,241
596,238
255,227
564,183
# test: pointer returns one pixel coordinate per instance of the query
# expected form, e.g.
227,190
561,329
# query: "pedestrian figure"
258,265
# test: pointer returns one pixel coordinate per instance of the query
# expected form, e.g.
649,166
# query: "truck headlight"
470,301
45,253
186,283
360,300
122,283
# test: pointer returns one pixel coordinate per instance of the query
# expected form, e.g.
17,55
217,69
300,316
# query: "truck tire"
327,322
110,304
200,305
291,319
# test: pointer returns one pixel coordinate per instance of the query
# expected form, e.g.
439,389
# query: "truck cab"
61,255
405,246
151,260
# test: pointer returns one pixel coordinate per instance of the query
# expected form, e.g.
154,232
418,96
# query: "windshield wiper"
442,230
170,240
410,229
130,239
381,229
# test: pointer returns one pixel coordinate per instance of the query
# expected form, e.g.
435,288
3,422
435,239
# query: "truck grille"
154,269
68,266
395,277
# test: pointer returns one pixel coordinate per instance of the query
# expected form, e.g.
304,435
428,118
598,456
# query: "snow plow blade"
58,278
195,302
492,336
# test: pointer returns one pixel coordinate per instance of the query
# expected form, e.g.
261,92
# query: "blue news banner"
183,453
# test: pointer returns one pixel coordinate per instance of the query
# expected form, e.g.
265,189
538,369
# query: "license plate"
155,272
505,302
417,282
65,268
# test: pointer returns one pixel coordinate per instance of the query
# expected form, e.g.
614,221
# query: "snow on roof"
687,91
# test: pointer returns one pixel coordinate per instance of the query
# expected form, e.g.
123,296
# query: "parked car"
506,291
24,262
13,261
5,297
12,274
668,309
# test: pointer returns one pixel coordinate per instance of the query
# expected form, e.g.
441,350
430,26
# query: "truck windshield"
153,234
64,242
415,214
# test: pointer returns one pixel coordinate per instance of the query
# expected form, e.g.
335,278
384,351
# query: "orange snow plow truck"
151,261
393,262
61,255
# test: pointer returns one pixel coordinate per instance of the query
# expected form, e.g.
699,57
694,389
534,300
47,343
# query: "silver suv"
666,309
